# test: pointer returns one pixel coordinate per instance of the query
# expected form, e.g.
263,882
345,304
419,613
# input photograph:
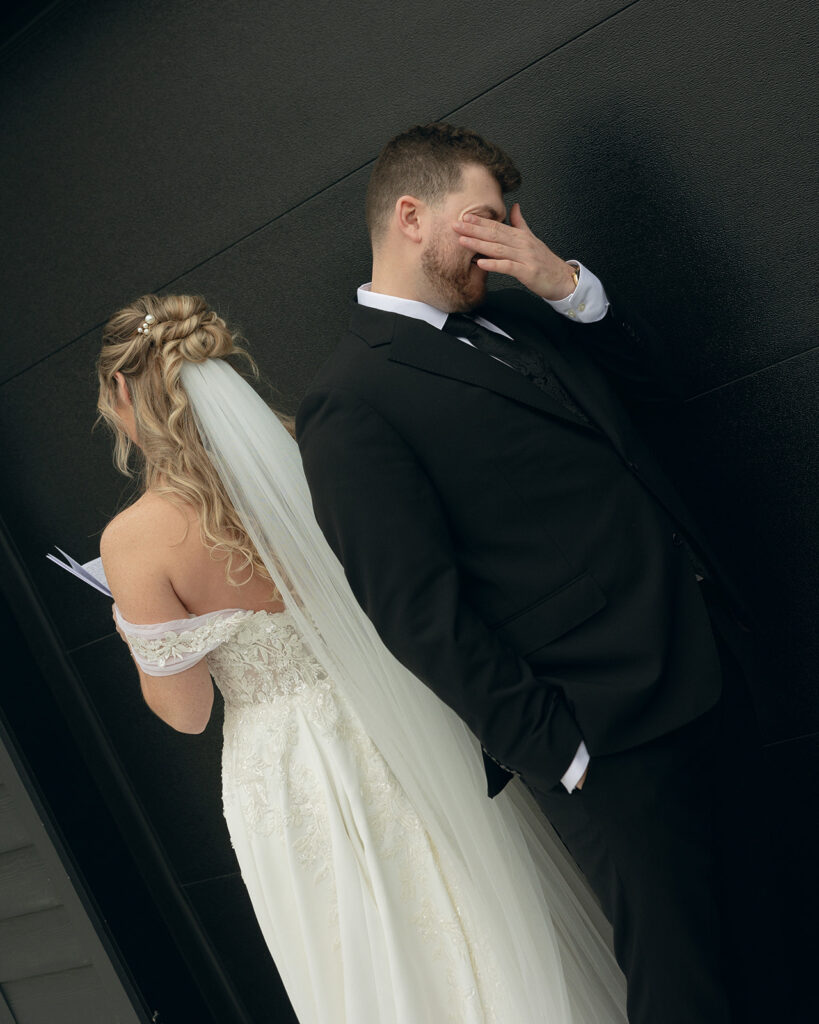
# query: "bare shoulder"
139,550
151,520
144,534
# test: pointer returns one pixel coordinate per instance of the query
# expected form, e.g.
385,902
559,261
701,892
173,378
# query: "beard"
458,283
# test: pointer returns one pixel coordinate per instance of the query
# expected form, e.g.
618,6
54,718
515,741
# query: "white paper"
91,572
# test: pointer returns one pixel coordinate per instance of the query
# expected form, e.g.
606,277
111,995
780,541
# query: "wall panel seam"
211,878
791,739
542,57
752,373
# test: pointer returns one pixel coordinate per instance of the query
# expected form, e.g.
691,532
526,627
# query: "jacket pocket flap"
553,615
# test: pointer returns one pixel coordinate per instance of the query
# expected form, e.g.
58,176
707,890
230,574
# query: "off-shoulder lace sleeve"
166,648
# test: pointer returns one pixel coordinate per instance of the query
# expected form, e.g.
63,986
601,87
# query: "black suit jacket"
531,568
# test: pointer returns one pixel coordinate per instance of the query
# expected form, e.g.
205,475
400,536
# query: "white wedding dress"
363,916
333,856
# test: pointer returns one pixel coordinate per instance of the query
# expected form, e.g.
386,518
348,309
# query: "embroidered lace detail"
176,645
472,975
266,659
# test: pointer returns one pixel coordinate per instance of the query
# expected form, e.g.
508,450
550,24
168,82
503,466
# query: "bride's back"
159,540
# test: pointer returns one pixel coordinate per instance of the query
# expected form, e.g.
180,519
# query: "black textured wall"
224,147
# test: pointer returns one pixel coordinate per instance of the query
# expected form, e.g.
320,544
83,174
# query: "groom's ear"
409,217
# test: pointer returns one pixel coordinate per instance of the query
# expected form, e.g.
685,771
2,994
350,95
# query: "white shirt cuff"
588,302
574,773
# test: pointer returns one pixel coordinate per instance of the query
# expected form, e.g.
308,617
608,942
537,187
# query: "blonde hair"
174,461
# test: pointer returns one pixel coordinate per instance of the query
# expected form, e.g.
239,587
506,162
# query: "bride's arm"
143,593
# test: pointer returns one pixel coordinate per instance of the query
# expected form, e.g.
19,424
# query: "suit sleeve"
383,518
623,343
630,351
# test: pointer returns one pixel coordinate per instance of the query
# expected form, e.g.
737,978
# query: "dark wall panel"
60,485
156,134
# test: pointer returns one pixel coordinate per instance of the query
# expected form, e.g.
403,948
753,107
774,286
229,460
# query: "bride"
388,888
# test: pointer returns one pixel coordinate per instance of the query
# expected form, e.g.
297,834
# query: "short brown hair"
426,161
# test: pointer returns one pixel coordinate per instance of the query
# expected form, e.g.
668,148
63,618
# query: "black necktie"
522,356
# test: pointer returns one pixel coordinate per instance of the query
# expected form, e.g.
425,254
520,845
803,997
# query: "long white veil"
512,875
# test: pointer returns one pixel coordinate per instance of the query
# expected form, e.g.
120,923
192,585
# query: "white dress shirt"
586,304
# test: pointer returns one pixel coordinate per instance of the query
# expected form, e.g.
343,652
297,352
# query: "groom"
519,549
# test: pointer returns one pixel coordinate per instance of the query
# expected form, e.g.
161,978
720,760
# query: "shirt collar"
417,310
405,307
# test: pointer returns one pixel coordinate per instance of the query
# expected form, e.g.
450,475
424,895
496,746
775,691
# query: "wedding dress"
362,921
363,917
388,888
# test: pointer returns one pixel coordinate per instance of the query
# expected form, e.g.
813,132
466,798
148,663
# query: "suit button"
677,539
632,466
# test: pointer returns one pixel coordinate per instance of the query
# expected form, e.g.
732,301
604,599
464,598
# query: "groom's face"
450,268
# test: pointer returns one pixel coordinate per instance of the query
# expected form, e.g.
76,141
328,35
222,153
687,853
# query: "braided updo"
149,342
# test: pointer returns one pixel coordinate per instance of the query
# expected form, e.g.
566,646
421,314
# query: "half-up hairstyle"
173,460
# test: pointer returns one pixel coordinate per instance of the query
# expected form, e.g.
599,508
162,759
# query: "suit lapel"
415,343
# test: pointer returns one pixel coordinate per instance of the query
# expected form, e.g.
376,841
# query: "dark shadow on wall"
656,228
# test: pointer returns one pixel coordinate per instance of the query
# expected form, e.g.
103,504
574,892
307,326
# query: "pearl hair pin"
146,325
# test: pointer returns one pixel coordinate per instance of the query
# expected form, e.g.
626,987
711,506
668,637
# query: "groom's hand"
581,781
513,249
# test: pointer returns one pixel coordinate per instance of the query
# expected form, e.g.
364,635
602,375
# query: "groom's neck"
401,281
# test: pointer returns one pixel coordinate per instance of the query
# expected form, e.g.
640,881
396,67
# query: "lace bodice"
264,659
254,657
